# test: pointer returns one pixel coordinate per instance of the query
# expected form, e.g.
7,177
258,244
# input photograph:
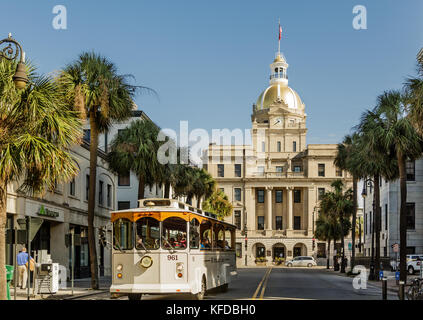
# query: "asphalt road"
281,284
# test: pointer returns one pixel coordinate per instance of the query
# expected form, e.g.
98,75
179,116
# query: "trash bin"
9,278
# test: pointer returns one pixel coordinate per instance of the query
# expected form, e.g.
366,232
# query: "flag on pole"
280,31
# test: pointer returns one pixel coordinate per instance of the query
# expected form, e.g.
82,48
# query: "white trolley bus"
168,247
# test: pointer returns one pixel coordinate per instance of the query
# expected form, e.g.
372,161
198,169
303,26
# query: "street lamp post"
368,182
244,233
10,49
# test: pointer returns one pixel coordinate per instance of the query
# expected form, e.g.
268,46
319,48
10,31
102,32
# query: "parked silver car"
301,262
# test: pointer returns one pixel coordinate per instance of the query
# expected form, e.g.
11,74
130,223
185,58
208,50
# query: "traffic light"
313,244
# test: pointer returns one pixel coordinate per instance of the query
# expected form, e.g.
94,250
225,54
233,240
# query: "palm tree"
344,161
204,185
37,129
135,149
92,84
374,159
219,204
340,204
400,137
414,99
328,228
323,232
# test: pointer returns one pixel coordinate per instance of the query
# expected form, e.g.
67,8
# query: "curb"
100,291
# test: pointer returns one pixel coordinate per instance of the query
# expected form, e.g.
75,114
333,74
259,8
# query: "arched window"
260,251
123,234
194,234
148,234
174,233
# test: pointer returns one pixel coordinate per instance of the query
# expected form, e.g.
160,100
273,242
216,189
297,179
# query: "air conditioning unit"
47,278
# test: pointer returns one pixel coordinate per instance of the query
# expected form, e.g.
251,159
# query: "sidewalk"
392,285
82,287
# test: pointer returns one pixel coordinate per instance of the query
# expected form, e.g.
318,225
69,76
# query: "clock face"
278,121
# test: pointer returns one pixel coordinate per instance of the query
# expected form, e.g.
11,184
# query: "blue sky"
209,60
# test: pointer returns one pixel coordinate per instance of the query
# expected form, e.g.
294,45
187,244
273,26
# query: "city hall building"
276,182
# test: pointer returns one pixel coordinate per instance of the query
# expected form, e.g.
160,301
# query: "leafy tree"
219,204
37,128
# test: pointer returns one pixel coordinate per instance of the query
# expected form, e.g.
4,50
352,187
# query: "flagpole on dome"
280,34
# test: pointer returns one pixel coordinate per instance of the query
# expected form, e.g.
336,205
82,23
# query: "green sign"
47,212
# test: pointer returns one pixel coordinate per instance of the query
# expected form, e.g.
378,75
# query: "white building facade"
127,185
390,208
65,210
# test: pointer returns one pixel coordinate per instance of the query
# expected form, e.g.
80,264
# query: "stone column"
269,216
250,208
290,209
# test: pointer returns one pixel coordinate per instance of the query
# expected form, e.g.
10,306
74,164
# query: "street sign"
349,246
380,275
397,275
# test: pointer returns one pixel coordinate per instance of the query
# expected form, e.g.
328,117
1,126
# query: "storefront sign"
47,212
44,211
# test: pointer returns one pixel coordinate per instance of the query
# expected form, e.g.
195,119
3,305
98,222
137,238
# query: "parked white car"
301,262
413,263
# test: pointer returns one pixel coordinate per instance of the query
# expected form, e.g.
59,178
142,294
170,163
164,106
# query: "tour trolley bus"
168,247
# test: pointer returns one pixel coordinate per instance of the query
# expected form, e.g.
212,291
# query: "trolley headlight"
146,262
179,267
119,267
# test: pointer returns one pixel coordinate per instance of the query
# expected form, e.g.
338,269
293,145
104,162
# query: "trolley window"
205,235
147,234
123,238
218,237
174,233
194,234
229,239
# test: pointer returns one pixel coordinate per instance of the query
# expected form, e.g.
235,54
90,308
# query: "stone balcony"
291,175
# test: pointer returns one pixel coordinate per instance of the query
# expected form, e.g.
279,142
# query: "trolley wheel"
134,296
224,288
200,295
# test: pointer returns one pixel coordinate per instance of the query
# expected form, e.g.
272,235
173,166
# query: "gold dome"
279,59
270,95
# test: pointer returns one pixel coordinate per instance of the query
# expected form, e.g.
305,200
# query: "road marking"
286,298
265,284
261,282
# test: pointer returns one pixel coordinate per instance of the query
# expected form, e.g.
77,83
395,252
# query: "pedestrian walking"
22,260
